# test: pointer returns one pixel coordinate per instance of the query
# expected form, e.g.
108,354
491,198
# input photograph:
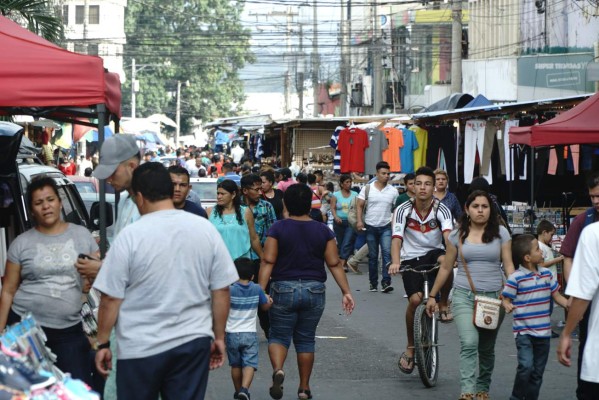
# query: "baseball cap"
115,150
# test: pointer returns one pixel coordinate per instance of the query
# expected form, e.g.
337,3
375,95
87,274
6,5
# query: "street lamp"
135,83
178,112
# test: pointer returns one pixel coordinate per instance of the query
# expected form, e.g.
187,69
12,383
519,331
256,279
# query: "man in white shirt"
237,153
583,287
379,198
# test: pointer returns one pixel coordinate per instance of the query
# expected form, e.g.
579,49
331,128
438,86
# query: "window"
93,15
79,48
65,15
92,49
79,14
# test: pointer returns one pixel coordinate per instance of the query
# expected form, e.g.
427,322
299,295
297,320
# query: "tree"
40,16
197,41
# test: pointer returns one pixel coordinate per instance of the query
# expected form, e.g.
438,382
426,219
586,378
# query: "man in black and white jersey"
419,227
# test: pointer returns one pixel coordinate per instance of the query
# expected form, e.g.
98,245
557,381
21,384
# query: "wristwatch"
100,346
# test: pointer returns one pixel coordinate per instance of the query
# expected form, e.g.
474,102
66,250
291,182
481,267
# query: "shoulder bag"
352,213
486,309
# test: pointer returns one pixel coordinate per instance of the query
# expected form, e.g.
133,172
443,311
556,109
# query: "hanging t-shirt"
420,152
333,144
406,154
377,145
352,144
396,143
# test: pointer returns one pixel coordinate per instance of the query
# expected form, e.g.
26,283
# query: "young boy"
528,292
240,334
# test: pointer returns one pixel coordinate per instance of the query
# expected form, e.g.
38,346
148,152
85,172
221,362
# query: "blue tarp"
478,101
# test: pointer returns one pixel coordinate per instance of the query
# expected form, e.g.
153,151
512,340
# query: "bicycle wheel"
425,346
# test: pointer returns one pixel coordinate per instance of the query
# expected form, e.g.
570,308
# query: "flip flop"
409,361
304,394
445,316
276,390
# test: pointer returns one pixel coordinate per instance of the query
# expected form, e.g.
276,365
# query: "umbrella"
163,119
45,123
92,135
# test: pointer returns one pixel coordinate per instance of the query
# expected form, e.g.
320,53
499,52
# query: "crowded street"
356,356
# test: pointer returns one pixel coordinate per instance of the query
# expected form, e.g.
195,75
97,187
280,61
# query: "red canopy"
37,73
579,125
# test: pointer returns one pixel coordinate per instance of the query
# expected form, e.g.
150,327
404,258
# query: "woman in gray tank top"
485,244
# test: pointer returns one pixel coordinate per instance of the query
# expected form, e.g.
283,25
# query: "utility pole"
377,63
299,68
178,115
289,16
133,91
85,24
315,62
456,46
345,91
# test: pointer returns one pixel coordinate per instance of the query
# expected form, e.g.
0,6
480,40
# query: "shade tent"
575,126
37,73
40,79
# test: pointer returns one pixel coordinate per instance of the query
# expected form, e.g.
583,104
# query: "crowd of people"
262,256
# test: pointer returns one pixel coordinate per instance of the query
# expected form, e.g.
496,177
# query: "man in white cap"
119,157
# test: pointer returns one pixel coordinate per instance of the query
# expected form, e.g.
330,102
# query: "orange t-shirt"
391,155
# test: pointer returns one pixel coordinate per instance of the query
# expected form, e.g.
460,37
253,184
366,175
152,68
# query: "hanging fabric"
508,152
352,145
378,145
406,154
333,144
441,146
474,144
420,152
394,137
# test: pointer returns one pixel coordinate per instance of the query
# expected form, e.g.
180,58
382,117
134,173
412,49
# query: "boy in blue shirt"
528,292
240,334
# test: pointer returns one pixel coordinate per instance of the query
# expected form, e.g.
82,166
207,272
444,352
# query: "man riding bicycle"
419,227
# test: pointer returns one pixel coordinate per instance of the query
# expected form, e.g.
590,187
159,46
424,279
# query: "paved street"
356,356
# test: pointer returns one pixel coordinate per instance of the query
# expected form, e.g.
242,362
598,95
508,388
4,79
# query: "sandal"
409,361
445,316
353,269
467,396
304,394
276,390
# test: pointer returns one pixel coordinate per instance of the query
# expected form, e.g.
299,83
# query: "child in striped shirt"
528,292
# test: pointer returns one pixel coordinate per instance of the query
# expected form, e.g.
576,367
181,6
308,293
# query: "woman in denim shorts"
295,253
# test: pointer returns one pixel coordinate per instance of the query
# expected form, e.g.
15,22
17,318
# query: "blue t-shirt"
406,154
342,207
193,208
245,300
301,250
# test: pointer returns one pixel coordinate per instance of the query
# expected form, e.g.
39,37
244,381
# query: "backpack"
352,213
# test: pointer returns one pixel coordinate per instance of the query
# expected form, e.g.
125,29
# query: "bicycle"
426,355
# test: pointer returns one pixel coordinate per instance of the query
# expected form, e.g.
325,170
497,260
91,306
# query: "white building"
100,31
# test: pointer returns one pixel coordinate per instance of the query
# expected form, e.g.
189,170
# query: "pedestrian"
295,253
545,232
40,278
181,190
569,248
119,157
583,287
420,226
172,306
485,245
229,173
264,217
375,220
240,334
319,195
410,190
481,183
528,292
286,179
234,221
271,194
445,196
345,235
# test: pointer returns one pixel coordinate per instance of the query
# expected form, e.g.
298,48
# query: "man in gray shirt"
172,306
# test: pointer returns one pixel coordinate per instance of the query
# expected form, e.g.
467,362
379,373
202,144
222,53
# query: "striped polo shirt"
531,295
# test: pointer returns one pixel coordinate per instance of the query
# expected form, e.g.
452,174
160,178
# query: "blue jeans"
378,236
242,349
477,346
179,373
296,310
532,358
346,237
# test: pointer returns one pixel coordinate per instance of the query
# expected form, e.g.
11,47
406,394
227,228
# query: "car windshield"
206,190
85,187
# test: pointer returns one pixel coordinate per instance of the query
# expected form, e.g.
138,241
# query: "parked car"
18,166
85,184
205,188
89,199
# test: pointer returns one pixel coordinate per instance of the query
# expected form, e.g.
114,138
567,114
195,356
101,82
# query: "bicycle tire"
426,352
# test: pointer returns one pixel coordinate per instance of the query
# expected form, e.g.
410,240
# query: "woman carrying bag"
484,245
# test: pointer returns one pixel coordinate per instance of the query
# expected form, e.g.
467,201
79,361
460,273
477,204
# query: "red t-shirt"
568,247
351,145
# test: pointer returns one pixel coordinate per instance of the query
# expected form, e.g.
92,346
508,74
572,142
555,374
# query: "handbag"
487,310
352,214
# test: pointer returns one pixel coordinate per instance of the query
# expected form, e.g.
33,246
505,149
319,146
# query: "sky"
267,21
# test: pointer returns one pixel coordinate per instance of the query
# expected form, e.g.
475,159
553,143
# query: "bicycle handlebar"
421,269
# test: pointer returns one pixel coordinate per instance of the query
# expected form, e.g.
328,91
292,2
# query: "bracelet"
100,346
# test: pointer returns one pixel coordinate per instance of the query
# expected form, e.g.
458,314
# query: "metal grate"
314,142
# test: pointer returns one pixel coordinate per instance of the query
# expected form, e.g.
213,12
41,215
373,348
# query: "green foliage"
39,16
197,41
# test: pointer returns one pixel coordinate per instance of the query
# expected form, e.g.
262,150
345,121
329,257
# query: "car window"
206,190
85,187
69,210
